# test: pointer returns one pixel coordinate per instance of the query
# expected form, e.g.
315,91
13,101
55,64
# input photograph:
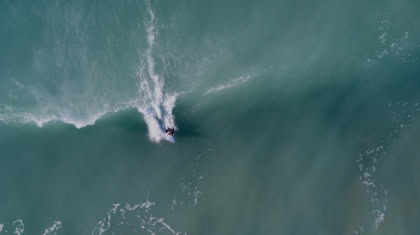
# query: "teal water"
291,117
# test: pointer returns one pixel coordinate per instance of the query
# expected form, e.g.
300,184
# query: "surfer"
170,131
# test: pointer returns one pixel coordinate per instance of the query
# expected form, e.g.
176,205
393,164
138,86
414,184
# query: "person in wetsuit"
170,131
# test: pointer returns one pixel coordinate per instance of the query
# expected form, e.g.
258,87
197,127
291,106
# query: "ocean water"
291,117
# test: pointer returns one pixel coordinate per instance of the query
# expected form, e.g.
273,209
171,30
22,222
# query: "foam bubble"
402,118
117,216
19,227
53,229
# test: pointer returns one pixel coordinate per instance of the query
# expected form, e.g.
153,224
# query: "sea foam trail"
234,83
116,219
53,229
155,105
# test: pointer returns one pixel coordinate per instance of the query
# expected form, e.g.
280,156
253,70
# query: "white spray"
155,105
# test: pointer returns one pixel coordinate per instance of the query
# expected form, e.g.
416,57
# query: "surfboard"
170,139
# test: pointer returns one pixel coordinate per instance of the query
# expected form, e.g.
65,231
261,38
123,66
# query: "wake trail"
155,104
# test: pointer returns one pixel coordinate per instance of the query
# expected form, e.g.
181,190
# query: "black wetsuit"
170,131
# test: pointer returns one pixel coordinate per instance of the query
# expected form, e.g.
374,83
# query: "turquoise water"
291,117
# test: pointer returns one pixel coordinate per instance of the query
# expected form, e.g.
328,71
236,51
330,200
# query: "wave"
82,99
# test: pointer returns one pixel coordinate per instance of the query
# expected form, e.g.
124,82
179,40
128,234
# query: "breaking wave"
82,100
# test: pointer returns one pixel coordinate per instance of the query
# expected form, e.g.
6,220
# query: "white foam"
191,189
368,159
53,229
19,227
13,115
18,84
105,224
380,217
1,227
393,45
117,216
146,205
156,131
155,105
169,105
78,123
234,83
382,37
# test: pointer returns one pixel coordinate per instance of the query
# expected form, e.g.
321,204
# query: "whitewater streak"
155,106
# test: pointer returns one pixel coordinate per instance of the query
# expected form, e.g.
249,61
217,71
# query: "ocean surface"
291,117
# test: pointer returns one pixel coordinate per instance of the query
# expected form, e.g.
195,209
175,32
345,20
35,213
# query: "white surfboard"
170,138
